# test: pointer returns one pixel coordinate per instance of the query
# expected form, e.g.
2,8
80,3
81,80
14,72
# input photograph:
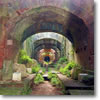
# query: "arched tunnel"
51,19
52,47
70,26
47,32
47,42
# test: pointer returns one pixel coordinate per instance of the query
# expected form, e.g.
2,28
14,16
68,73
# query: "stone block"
9,42
16,76
7,70
0,74
29,70
75,72
81,76
1,63
20,68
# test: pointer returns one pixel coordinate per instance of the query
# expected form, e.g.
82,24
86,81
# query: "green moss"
26,90
36,69
23,58
43,69
62,60
75,72
71,51
67,69
55,81
71,65
53,78
38,79
10,91
51,75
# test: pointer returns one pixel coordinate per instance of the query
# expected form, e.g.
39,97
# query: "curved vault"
43,40
45,19
44,43
52,19
48,44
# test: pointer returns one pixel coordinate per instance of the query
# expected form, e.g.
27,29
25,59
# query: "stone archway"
58,52
48,43
52,19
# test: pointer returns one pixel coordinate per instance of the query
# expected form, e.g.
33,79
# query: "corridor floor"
46,89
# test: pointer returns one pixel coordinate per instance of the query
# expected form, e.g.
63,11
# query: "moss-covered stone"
10,91
34,63
20,68
7,70
74,73
0,74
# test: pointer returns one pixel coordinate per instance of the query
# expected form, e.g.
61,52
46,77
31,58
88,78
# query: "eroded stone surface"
20,68
7,70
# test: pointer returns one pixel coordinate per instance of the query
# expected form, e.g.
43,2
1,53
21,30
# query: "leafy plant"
49,69
67,69
62,60
71,65
22,53
38,79
55,81
36,69
53,78
23,58
51,75
65,72
62,70
56,66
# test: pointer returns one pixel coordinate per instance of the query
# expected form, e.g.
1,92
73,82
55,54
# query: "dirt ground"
46,89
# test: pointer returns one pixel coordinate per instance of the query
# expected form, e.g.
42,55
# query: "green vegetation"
38,79
51,75
26,90
10,91
49,69
72,51
23,58
43,69
14,89
36,69
61,61
54,79
70,65
67,69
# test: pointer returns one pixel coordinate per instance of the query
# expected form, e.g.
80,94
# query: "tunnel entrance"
47,59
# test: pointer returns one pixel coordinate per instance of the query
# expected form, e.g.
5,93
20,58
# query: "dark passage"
47,59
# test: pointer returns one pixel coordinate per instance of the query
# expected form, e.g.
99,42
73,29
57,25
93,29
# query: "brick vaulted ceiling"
20,19
81,8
